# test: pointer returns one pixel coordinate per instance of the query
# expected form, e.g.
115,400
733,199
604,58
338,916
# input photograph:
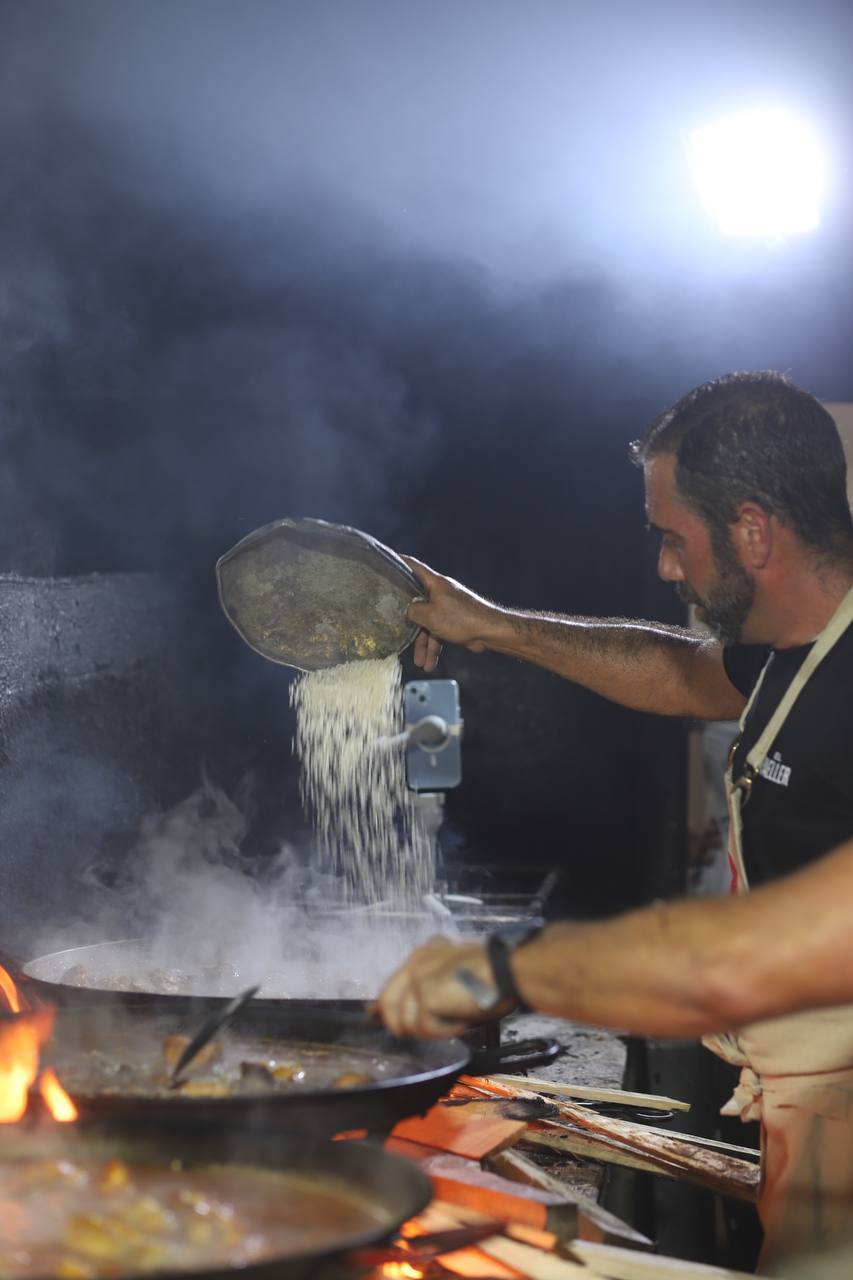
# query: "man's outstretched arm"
679,969
644,665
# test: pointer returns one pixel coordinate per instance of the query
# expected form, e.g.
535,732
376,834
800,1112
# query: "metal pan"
42,980
390,1188
419,1071
51,978
310,594
434,1068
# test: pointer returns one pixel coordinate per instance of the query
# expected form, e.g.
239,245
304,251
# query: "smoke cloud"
424,271
205,919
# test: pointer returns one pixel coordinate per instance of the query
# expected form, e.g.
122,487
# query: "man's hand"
451,612
424,998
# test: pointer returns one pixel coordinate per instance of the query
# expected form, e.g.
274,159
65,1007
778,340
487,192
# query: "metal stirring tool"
208,1029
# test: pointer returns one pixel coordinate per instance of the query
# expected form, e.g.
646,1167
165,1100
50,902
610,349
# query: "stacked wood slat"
522,1253
468,1145
580,1131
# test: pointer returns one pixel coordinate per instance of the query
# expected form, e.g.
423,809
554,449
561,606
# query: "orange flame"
9,991
20,1041
401,1271
58,1102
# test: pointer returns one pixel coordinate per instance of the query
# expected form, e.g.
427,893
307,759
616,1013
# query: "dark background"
423,269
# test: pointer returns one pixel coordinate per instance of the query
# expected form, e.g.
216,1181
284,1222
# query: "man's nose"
669,569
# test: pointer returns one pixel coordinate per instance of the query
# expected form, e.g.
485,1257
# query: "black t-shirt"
801,804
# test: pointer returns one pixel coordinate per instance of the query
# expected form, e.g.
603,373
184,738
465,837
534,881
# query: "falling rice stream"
353,787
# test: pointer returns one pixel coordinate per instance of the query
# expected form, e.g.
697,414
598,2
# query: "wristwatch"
500,946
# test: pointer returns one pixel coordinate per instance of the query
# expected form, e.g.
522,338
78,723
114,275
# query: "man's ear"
752,535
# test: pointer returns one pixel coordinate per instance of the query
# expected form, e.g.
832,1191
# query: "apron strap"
832,632
738,790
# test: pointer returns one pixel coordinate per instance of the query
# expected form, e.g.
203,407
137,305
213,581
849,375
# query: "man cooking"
745,486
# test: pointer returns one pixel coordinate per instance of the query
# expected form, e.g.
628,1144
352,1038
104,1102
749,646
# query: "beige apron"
797,1071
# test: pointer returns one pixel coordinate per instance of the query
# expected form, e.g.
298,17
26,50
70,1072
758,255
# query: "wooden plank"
534,1263
458,1212
724,1174
623,1125
721,1174
526,1253
439,1216
673,1154
460,1182
527,1235
622,1264
474,1265
414,1151
728,1148
469,1263
593,1222
622,1097
577,1143
514,1107
454,1129
695,1139
518,1168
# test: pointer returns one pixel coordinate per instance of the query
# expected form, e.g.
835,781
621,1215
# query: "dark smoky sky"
532,136
425,268
529,136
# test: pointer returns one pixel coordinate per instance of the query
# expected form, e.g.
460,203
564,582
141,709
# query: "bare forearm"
644,972
702,965
643,665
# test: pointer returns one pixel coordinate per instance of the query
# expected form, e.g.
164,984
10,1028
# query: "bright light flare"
760,173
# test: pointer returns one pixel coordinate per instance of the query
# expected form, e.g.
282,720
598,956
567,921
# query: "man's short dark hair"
756,437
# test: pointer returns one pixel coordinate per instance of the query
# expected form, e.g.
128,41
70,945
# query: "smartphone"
429,768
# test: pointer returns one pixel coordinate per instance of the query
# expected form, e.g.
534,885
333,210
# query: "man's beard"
727,605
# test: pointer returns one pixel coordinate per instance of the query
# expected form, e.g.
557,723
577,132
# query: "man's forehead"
661,491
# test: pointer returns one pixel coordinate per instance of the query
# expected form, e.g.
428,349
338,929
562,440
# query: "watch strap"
500,947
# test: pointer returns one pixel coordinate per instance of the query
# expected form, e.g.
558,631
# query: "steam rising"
211,922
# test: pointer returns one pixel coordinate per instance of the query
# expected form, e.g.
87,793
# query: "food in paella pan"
83,1220
231,1066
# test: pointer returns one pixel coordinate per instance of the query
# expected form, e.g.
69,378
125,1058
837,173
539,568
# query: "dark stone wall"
94,734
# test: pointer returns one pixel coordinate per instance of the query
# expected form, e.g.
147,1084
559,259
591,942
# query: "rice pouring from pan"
309,594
